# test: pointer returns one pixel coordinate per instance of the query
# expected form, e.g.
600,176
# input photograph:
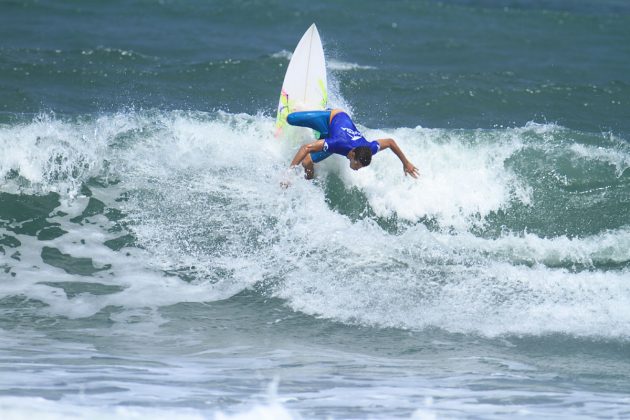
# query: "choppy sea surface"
151,265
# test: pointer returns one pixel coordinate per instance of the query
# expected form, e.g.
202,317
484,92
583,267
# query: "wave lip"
49,155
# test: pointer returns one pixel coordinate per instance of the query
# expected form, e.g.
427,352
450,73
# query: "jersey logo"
354,135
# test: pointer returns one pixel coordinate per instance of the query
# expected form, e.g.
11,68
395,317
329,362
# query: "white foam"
273,411
18,408
407,282
338,65
618,155
463,176
283,54
49,155
142,285
609,247
205,202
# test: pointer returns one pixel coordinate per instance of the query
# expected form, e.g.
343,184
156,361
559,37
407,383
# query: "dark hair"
363,154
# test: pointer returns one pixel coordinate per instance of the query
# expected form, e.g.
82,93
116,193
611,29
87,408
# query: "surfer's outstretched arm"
408,167
303,157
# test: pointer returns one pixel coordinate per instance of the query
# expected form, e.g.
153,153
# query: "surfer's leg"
310,159
317,120
309,167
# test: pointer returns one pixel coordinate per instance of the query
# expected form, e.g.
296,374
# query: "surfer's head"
360,157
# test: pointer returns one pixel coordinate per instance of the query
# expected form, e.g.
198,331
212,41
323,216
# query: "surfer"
339,135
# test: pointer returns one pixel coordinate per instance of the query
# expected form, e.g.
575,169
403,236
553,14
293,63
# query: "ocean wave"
338,65
49,155
17,408
618,155
415,281
607,248
200,195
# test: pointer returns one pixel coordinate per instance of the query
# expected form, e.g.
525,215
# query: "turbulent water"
151,264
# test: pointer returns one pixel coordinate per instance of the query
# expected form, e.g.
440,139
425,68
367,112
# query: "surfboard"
305,87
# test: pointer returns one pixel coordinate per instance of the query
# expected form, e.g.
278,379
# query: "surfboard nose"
304,87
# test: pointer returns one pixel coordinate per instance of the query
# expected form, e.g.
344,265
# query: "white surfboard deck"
305,86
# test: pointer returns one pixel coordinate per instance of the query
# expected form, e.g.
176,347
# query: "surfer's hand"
409,169
292,172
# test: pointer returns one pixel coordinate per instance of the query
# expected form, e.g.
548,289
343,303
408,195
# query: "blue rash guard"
340,136
343,136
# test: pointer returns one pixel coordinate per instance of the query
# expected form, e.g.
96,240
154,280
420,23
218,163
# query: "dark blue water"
456,64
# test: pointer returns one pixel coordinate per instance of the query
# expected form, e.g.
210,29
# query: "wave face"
514,231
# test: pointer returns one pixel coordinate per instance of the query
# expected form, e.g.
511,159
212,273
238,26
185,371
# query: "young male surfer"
339,135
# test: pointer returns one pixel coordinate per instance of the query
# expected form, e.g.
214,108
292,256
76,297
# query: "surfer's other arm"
316,146
303,156
408,167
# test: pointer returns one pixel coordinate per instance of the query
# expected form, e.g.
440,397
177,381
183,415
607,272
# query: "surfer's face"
355,164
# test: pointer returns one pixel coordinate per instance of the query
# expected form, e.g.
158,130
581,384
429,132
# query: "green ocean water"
152,266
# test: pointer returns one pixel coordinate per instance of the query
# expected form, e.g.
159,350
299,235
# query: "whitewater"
117,224
200,196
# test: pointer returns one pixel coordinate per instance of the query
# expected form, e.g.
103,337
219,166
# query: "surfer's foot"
309,171
309,167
